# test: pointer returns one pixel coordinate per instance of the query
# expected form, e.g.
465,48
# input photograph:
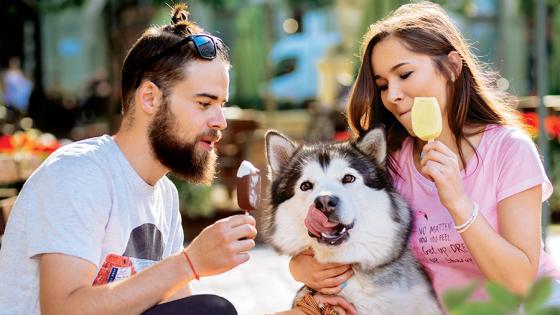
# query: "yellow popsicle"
426,118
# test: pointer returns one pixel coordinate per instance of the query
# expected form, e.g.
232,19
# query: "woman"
476,191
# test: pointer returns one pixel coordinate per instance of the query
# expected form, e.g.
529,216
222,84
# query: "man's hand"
217,249
223,245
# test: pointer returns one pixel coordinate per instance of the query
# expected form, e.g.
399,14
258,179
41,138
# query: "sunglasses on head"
205,47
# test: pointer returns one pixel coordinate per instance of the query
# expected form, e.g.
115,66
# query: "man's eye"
347,179
305,186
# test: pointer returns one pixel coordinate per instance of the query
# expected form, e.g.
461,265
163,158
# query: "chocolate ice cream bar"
248,186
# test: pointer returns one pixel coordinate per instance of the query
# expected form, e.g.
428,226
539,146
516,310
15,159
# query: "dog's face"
333,198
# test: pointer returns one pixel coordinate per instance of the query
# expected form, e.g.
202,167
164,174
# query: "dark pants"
200,304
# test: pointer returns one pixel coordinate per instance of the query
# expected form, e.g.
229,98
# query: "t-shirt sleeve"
520,167
67,206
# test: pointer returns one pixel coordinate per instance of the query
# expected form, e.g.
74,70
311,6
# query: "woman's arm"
509,256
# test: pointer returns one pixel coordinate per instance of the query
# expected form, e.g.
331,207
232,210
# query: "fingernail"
343,285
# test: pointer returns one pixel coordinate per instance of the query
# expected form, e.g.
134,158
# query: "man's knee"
218,304
196,304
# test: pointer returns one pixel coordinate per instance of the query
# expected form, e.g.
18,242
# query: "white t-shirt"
87,201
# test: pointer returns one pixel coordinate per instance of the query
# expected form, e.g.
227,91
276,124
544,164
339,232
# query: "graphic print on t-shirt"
144,248
435,240
145,242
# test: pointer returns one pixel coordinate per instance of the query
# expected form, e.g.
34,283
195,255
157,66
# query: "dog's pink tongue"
317,223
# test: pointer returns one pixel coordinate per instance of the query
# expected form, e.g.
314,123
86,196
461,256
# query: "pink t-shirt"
509,163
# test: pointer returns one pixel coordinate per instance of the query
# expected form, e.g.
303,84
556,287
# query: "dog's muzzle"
322,221
339,235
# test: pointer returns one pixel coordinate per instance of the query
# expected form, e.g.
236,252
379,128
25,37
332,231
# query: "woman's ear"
456,63
148,96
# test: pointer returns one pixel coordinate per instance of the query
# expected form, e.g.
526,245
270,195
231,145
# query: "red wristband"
191,265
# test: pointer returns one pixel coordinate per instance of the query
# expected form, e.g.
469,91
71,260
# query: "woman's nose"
395,93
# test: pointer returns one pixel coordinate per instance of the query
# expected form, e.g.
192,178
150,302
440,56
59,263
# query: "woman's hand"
442,165
324,278
338,303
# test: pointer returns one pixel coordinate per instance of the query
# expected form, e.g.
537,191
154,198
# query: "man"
102,209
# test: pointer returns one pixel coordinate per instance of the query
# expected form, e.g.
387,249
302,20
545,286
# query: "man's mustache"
212,135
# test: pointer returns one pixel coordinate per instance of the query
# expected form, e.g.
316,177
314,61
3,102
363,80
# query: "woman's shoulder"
505,136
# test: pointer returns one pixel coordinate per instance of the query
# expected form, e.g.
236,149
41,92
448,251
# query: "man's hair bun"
180,21
180,13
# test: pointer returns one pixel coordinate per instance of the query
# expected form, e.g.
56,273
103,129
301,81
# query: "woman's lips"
404,113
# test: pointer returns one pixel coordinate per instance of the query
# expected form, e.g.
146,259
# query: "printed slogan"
436,244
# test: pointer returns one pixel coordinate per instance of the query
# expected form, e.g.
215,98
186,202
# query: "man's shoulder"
85,157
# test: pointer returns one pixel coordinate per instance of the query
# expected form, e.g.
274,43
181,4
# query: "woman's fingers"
338,302
337,280
330,291
335,271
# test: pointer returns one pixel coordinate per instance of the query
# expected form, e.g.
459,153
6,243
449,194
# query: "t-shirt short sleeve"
520,166
68,210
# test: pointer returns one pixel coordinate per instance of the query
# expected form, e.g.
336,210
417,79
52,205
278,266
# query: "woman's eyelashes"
403,76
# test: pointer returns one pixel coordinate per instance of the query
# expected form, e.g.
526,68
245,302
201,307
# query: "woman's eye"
382,87
305,186
406,75
348,179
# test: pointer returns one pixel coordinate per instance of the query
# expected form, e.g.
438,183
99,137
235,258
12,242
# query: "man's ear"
148,97
456,63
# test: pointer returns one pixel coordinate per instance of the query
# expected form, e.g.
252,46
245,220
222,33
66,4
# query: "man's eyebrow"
395,67
210,96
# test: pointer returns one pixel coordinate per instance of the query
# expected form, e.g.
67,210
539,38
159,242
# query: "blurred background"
293,64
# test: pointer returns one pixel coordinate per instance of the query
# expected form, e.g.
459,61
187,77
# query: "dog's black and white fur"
350,184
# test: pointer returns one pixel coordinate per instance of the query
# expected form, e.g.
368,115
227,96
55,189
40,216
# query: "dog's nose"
326,203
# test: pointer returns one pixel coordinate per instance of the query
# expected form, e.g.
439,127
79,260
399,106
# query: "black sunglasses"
205,47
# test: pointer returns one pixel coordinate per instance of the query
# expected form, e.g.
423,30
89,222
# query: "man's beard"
181,157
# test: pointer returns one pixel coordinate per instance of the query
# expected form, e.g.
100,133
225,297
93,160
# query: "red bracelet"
191,265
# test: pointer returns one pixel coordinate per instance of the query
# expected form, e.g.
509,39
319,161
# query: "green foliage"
194,200
501,301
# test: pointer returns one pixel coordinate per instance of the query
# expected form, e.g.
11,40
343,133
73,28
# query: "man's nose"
218,119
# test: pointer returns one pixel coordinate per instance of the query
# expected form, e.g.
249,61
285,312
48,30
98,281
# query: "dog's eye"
348,179
306,186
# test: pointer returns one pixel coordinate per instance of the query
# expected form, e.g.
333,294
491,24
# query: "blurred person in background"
16,90
102,209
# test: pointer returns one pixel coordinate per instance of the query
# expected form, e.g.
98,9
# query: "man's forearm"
129,296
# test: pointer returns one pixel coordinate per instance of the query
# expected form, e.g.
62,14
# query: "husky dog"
337,199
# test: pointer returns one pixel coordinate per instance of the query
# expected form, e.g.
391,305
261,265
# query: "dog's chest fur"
371,298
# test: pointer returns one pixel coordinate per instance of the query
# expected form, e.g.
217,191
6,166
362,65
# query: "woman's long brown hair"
474,99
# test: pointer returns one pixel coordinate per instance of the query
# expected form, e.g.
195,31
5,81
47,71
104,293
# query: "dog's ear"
279,149
374,144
